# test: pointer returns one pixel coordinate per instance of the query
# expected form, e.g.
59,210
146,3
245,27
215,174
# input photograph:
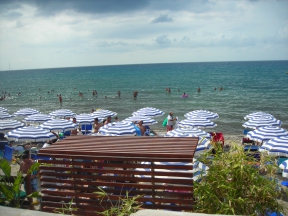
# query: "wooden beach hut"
140,165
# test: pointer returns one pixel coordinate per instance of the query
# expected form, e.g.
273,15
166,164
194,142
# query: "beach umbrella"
148,112
62,113
2,109
39,118
118,128
85,119
195,131
30,134
202,114
257,115
266,133
8,125
136,119
103,113
59,125
26,112
277,146
5,115
197,122
261,122
177,134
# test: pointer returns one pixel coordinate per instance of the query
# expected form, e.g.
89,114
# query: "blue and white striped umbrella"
257,115
194,131
204,145
197,123
62,113
8,125
59,125
266,133
118,128
277,146
136,119
2,109
178,134
103,113
30,134
37,118
284,166
261,122
148,112
86,119
5,115
26,112
202,114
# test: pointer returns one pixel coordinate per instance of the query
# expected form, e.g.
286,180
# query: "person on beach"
142,128
170,122
116,119
75,131
221,88
119,93
198,90
215,88
149,131
60,98
97,125
92,111
25,165
108,120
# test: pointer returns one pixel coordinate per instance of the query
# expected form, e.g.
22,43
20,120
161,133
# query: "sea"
248,87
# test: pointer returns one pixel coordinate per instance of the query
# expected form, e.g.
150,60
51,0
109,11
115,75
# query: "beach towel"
164,124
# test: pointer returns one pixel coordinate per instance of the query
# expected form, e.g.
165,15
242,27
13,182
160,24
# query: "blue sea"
247,87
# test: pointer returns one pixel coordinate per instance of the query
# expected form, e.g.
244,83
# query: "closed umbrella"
202,114
257,115
136,119
26,112
5,115
2,109
266,133
276,147
59,125
148,112
8,125
30,134
261,122
37,118
62,113
197,123
103,113
118,128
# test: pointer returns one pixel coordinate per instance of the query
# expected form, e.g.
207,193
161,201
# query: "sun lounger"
86,129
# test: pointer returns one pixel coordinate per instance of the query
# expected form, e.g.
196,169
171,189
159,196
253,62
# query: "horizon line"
137,64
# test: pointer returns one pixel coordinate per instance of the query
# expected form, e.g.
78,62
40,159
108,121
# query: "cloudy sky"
67,33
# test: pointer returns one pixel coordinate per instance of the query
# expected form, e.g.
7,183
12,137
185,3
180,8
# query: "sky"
68,33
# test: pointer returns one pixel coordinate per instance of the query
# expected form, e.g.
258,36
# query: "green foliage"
66,209
123,207
238,184
10,191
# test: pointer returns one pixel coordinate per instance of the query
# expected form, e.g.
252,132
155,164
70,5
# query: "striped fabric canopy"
59,125
86,119
197,123
2,109
62,113
257,115
277,146
39,118
103,113
266,133
261,122
25,112
118,128
202,114
148,112
136,119
193,131
31,134
8,125
5,115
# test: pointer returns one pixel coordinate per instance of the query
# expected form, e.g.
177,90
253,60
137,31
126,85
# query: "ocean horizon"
248,86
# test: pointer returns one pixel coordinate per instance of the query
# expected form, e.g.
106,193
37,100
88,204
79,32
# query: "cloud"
163,40
162,18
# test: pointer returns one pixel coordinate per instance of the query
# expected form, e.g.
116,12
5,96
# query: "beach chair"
86,129
253,151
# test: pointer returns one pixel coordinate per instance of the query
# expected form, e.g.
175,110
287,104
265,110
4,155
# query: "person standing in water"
60,98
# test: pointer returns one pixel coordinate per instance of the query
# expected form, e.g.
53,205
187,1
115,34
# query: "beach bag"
165,122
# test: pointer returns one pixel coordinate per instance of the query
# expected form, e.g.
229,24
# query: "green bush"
238,184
